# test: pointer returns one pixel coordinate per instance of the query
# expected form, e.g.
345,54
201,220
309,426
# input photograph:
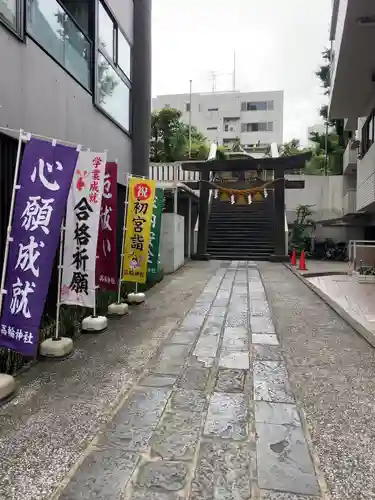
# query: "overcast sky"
278,46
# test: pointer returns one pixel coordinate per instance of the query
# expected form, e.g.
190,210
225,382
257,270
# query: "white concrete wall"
325,193
366,179
172,251
341,17
229,106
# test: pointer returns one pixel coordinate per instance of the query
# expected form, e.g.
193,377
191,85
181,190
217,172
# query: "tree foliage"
301,228
170,138
324,72
324,75
334,153
291,148
330,161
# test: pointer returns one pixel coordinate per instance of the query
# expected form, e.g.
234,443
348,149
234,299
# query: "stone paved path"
194,396
214,417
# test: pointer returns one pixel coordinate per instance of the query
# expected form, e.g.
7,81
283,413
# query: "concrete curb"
360,329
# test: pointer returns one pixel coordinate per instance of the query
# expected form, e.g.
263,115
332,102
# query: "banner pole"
10,219
59,280
94,315
136,284
7,382
128,176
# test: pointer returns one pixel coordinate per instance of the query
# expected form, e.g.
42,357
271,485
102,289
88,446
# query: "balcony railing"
53,29
350,202
350,157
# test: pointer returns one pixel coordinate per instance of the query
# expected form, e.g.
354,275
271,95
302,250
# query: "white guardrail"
354,246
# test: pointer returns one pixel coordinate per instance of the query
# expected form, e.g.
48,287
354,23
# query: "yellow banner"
138,227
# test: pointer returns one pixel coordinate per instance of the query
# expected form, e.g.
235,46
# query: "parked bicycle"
335,251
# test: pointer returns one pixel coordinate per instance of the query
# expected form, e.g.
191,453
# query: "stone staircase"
241,232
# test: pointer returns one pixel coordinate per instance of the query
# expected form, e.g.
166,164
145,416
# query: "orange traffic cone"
302,262
293,260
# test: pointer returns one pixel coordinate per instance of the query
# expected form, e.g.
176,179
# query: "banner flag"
138,225
45,177
106,264
81,230
153,268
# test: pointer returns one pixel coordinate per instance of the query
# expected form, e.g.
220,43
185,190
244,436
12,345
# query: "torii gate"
279,165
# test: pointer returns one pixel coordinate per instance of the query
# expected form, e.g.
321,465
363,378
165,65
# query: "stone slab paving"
59,408
332,372
213,417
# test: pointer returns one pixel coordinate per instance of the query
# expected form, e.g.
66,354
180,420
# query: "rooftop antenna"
234,70
213,78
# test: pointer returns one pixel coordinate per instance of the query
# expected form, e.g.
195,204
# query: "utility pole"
191,86
326,151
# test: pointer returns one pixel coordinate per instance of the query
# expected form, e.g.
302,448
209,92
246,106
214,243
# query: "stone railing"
172,172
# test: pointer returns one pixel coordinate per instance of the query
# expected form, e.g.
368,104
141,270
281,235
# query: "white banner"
81,233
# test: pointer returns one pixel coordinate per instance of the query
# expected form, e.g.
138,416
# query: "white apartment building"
253,117
353,99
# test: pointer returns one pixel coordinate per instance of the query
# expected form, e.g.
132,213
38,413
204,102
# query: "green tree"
291,148
170,138
301,229
334,152
324,72
324,75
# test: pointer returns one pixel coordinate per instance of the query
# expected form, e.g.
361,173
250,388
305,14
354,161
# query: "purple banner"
45,177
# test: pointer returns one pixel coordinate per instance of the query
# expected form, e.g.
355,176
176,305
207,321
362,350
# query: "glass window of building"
52,26
113,75
113,95
106,32
11,14
124,55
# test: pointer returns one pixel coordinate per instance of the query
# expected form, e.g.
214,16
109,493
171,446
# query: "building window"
257,127
368,133
56,31
226,128
81,13
113,88
211,128
113,95
124,54
187,107
257,106
212,109
106,32
11,14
